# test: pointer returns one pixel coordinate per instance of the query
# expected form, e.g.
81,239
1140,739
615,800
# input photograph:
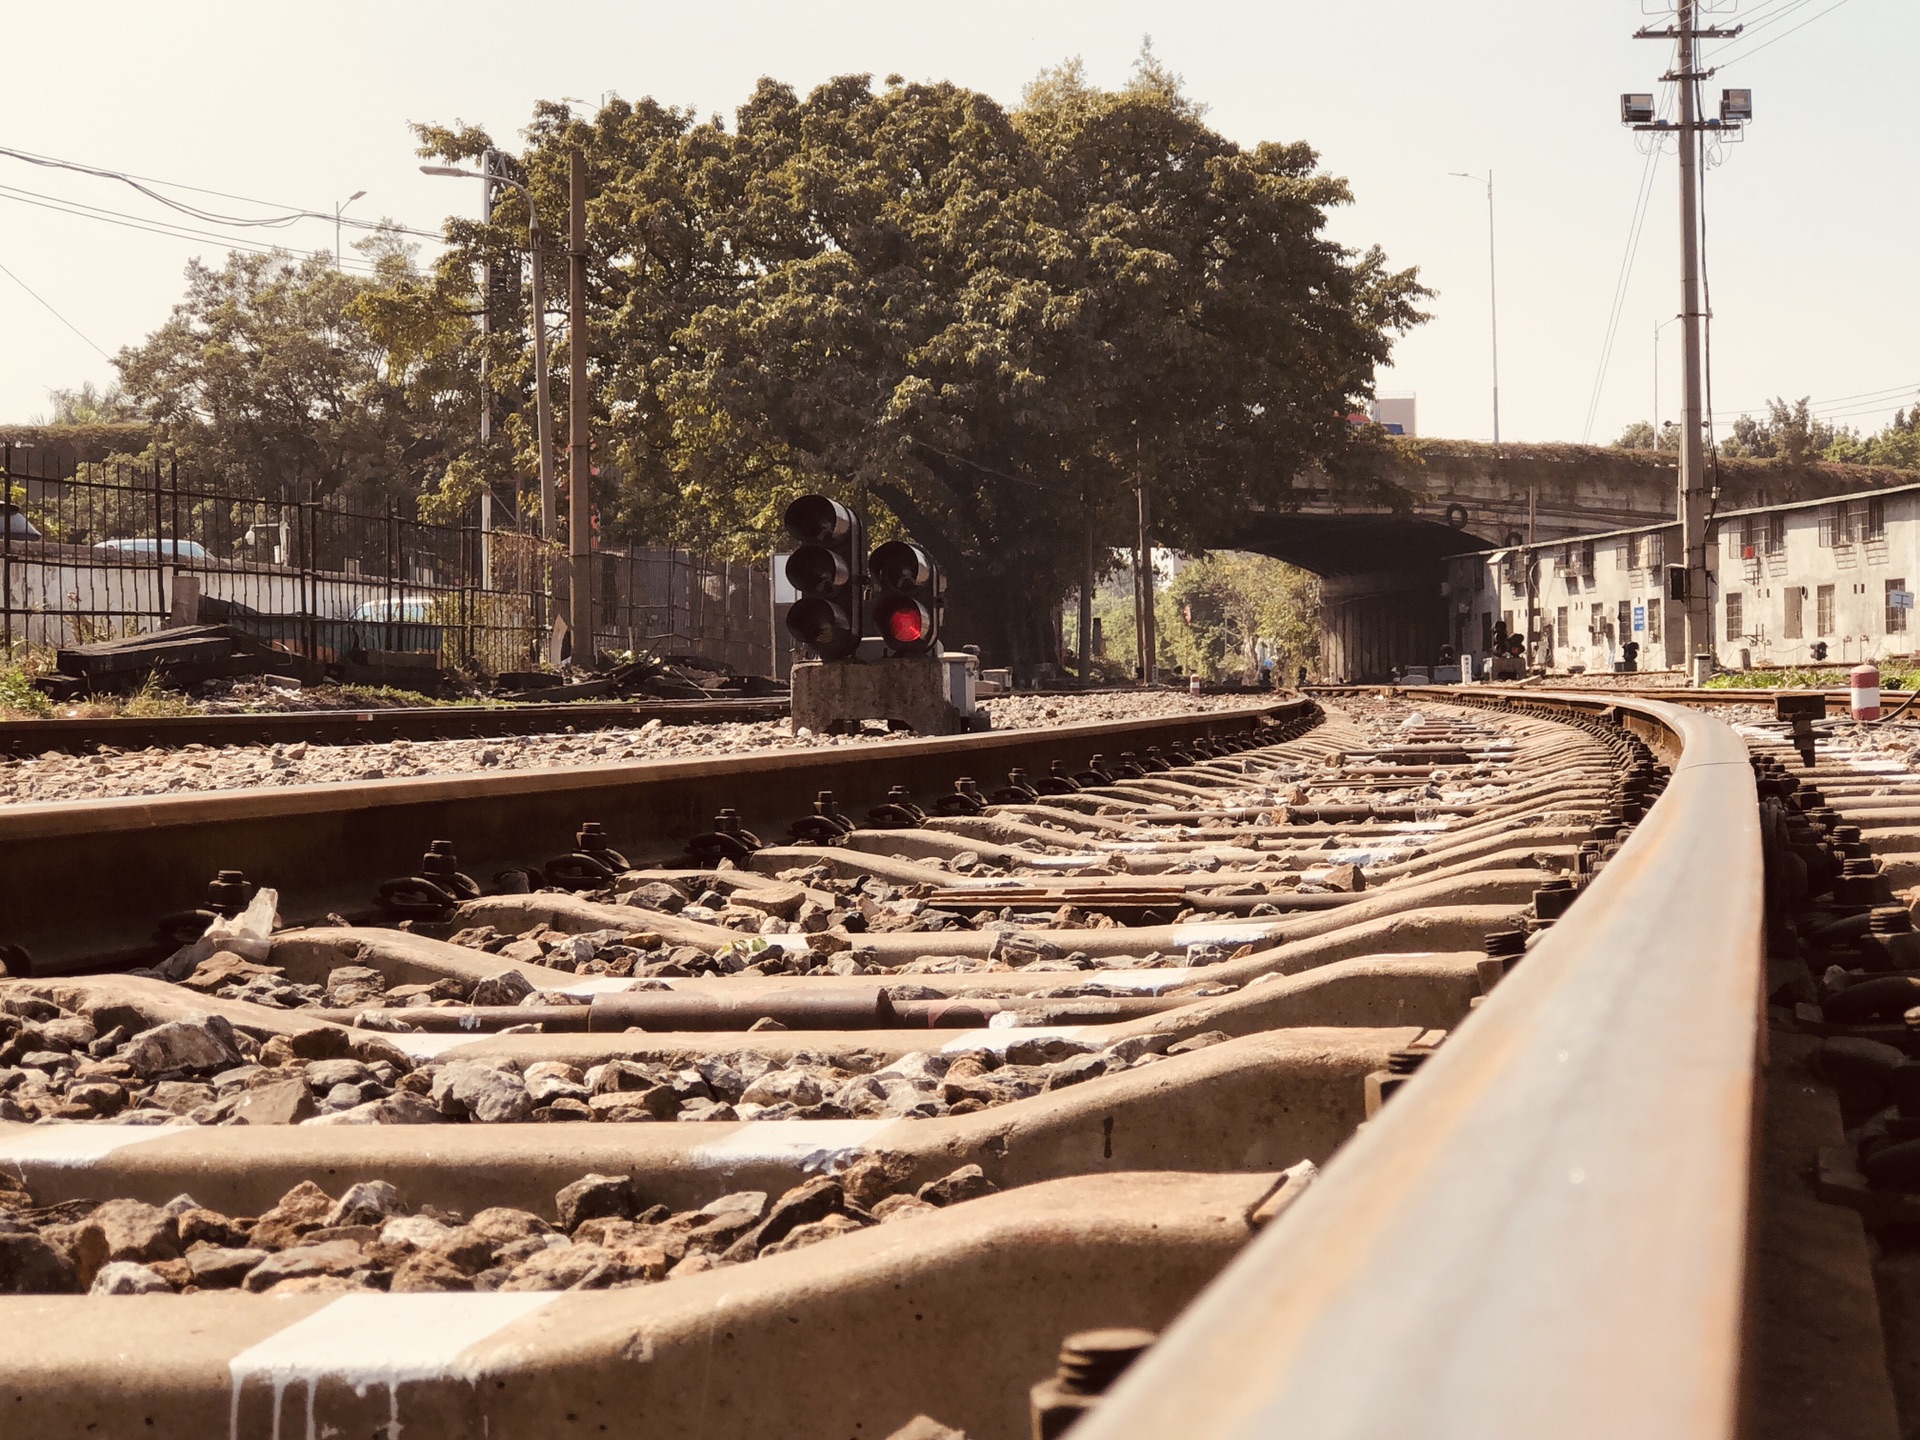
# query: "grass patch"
18,699
1891,678
152,702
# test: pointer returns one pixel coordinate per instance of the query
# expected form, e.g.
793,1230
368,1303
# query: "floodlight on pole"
339,209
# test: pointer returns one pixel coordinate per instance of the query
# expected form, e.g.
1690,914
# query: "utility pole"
543,401
580,438
1736,108
1147,645
1493,298
1693,460
1086,609
486,392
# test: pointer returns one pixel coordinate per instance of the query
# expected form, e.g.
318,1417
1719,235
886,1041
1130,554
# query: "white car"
173,549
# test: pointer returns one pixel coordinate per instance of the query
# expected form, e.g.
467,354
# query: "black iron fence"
103,551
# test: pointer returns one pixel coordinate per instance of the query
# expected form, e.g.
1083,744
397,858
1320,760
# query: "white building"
1397,413
1782,578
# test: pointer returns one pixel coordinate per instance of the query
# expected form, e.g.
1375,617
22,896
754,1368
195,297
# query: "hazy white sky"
1812,217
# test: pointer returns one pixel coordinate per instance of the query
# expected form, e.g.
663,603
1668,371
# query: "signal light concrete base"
928,694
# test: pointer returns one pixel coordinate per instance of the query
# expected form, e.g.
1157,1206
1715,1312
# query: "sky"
1810,217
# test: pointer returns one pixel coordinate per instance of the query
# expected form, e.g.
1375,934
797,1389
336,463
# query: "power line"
1621,283
1720,63
55,313
290,215
162,227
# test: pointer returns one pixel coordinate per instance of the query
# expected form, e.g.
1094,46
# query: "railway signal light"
824,570
909,594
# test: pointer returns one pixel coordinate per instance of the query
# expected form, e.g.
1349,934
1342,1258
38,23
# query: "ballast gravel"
197,768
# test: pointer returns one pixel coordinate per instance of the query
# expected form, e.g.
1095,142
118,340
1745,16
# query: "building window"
1655,635
1794,627
1823,610
1560,626
1831,521
1897,615
1649,551
1624,621
1876,518
1735,629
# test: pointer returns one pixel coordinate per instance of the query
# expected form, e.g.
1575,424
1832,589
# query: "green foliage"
1640,436
1792,433
1891,678
271,376
1211,618
89,404
980,326
18,698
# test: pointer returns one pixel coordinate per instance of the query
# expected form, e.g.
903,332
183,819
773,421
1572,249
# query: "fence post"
163,562
6,551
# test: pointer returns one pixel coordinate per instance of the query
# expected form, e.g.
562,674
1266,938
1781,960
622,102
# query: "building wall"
1835,561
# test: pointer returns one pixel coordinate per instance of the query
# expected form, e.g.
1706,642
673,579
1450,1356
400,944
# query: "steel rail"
362,727
1838,702
1547,1234
86,883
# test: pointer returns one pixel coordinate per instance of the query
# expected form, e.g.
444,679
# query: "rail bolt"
229,892
1090,1361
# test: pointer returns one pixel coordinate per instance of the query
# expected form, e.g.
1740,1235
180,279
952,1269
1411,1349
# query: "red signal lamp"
905,623
906,607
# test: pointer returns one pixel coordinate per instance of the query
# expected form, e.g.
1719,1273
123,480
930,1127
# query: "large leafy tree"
267,377
983,327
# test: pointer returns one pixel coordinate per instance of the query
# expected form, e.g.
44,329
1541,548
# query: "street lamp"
1493,311
543,402
339,208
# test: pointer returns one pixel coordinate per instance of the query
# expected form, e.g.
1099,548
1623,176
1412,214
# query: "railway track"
361,727
1395,1057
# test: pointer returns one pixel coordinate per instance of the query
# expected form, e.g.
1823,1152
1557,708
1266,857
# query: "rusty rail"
1547,1235
366,727
86,883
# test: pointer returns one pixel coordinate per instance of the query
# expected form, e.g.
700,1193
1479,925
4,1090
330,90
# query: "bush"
18,698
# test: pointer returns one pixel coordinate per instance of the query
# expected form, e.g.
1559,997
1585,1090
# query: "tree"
1790,433
1219,608
268,378
88,404
980,326
1640,436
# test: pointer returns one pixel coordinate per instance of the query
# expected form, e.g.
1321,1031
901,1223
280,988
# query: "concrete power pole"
579,434
1696,491
1694,500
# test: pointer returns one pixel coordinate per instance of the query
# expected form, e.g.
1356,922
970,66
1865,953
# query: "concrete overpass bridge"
1381,561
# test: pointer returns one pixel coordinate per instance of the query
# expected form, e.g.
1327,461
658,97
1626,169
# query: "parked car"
398,622
16,523
174,549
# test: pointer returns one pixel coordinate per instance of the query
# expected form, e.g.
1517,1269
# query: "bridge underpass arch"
1382,583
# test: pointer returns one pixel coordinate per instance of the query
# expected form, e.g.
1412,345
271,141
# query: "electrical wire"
1621,283
167,228
1720,63
290,215
55,313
